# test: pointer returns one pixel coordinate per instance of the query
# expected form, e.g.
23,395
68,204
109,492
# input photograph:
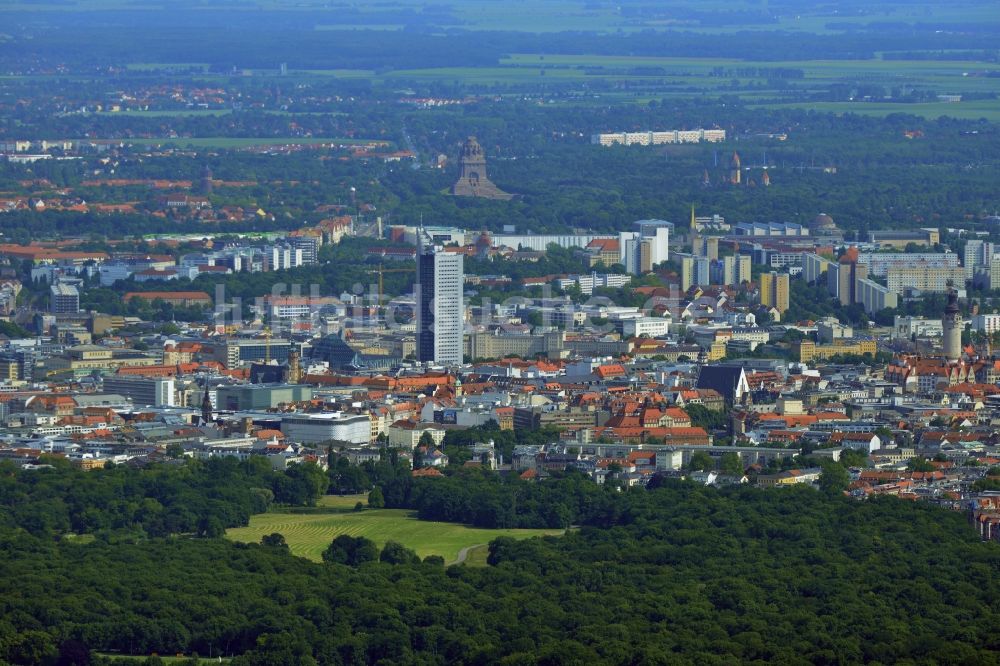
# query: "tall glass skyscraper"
440,305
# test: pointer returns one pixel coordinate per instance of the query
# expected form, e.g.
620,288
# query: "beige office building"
774,291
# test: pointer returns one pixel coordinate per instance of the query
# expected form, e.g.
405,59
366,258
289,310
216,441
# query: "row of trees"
484,499
193,496
352,551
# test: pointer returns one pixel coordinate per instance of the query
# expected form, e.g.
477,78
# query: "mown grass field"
309,532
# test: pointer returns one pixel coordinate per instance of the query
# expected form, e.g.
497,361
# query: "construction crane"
381,270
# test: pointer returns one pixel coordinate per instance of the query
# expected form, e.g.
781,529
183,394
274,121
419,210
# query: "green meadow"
309,532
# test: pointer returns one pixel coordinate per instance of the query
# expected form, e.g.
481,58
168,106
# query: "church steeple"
206,407
206,180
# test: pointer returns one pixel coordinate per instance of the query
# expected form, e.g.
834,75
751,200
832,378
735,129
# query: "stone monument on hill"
472,180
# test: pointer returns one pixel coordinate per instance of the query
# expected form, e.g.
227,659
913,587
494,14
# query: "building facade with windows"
440,304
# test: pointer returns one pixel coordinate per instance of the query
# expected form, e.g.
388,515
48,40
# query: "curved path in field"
464,553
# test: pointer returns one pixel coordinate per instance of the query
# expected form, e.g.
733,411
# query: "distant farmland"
753,81
972,110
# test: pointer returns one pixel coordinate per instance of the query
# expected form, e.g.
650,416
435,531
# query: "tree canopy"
733,575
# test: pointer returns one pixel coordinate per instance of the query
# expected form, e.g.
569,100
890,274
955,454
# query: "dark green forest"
881,179
680,574
177,497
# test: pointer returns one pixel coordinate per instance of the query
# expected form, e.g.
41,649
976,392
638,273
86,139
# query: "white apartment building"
109,273
143,391
830,329
407,436
977,253
642,250
652,327
986,323
924,277
879,263
651,138
754,335
695,270
906,327
588,283
874,296
814,267
540,243
284,256
741,268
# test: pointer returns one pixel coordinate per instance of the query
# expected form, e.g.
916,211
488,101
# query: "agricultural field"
308,533
552,16
965,110
752,81
955,76
566,15
704,65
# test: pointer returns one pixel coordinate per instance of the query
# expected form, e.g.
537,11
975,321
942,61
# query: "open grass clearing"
477,555
308,534
341,502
